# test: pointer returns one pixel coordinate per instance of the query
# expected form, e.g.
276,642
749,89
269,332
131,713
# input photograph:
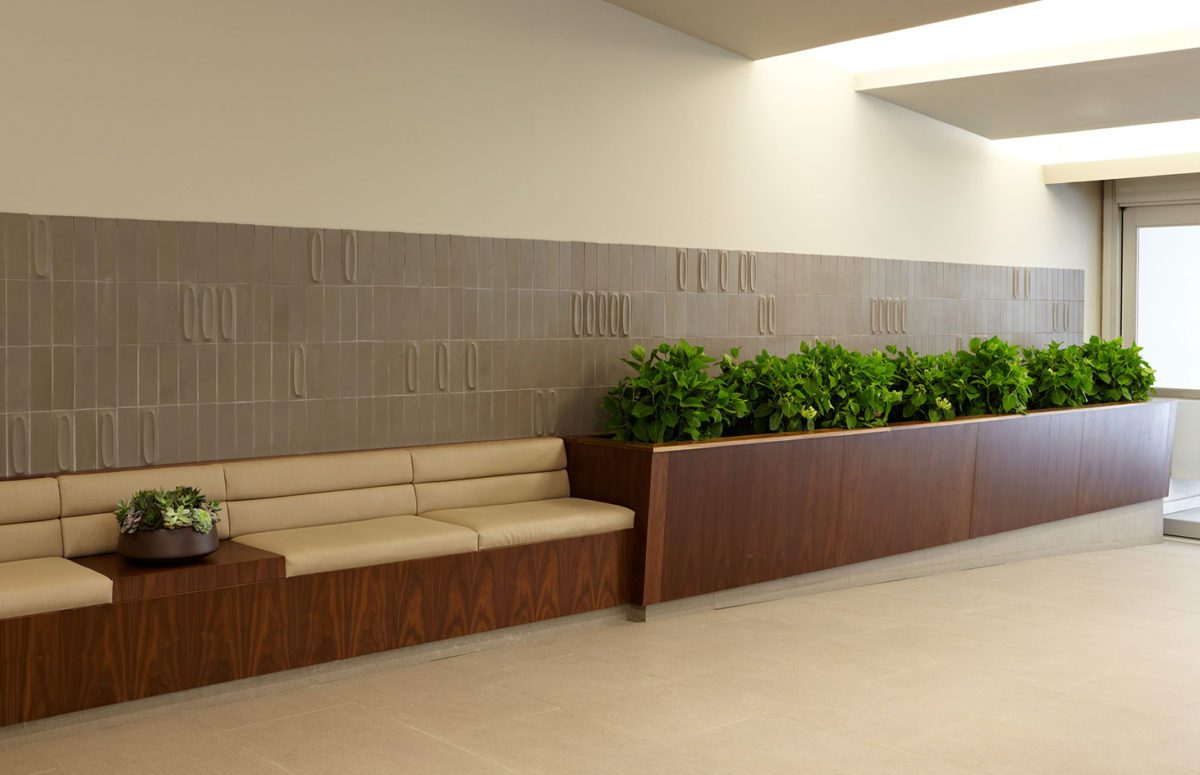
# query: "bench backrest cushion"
490,473
29,526
88,501
308,490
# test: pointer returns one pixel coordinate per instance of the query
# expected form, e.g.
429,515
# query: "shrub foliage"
671,397
679,393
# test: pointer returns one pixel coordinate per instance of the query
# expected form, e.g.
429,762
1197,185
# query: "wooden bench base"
155,639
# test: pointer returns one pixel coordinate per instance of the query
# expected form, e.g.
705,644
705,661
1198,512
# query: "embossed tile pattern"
127,342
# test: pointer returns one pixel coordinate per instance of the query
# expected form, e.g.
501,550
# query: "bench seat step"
46,584
531,522
367,542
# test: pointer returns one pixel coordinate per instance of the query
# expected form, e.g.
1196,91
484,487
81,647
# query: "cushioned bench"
336,511
509,492
332,556
320,512
34,575
354,509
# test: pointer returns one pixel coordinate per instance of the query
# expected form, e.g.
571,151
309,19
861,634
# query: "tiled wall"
135,342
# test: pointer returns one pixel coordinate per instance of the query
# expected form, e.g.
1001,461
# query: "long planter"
725,513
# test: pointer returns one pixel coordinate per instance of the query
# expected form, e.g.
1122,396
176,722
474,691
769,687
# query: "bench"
380,549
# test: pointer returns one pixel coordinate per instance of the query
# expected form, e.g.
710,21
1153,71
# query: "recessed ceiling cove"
1126,91
765,28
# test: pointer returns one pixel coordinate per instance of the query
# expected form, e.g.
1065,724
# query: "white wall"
1186,462
556,119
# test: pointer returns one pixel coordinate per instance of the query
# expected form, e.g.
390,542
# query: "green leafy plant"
1061,376
855,388
177,509
1119,373
822,386
784,392
923,382
671,397
674,396
989,378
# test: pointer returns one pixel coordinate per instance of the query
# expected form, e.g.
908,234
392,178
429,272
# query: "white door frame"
1134,218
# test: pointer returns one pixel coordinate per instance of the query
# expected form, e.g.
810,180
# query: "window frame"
1128,205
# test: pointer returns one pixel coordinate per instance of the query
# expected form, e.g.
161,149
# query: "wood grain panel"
793,517
70,660
315,611
369,600
1027,471
739,515
689,521
31,653
633,476
420,617
96,674
468,592
1126,455
240,631
160,655
906,488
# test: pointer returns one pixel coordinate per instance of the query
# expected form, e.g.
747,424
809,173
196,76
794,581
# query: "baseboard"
1184,524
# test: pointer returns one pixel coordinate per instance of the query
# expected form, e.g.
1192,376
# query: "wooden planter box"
720,514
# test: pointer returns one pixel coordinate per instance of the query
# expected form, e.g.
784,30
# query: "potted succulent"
167,525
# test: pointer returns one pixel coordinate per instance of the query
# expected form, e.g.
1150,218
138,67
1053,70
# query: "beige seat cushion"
49,584
359,544
532,522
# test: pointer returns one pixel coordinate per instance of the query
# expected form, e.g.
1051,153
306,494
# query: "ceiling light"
1173,137
1021,29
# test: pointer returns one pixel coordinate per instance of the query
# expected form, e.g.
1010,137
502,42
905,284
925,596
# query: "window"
1161,311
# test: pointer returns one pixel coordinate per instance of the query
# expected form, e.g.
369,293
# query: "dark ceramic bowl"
166,546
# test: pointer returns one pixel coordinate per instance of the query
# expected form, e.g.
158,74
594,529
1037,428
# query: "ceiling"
764,28
1145,89
1092,89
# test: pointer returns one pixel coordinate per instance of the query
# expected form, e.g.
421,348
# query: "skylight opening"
1025,28
1125,142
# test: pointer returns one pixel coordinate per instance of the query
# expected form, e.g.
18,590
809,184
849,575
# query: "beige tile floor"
1080,664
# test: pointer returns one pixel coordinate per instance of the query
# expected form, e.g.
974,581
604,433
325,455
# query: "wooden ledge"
231,565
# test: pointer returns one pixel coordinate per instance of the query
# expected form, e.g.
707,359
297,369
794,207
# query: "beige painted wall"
555,119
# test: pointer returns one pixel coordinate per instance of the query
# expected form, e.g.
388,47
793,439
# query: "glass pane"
1168,303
